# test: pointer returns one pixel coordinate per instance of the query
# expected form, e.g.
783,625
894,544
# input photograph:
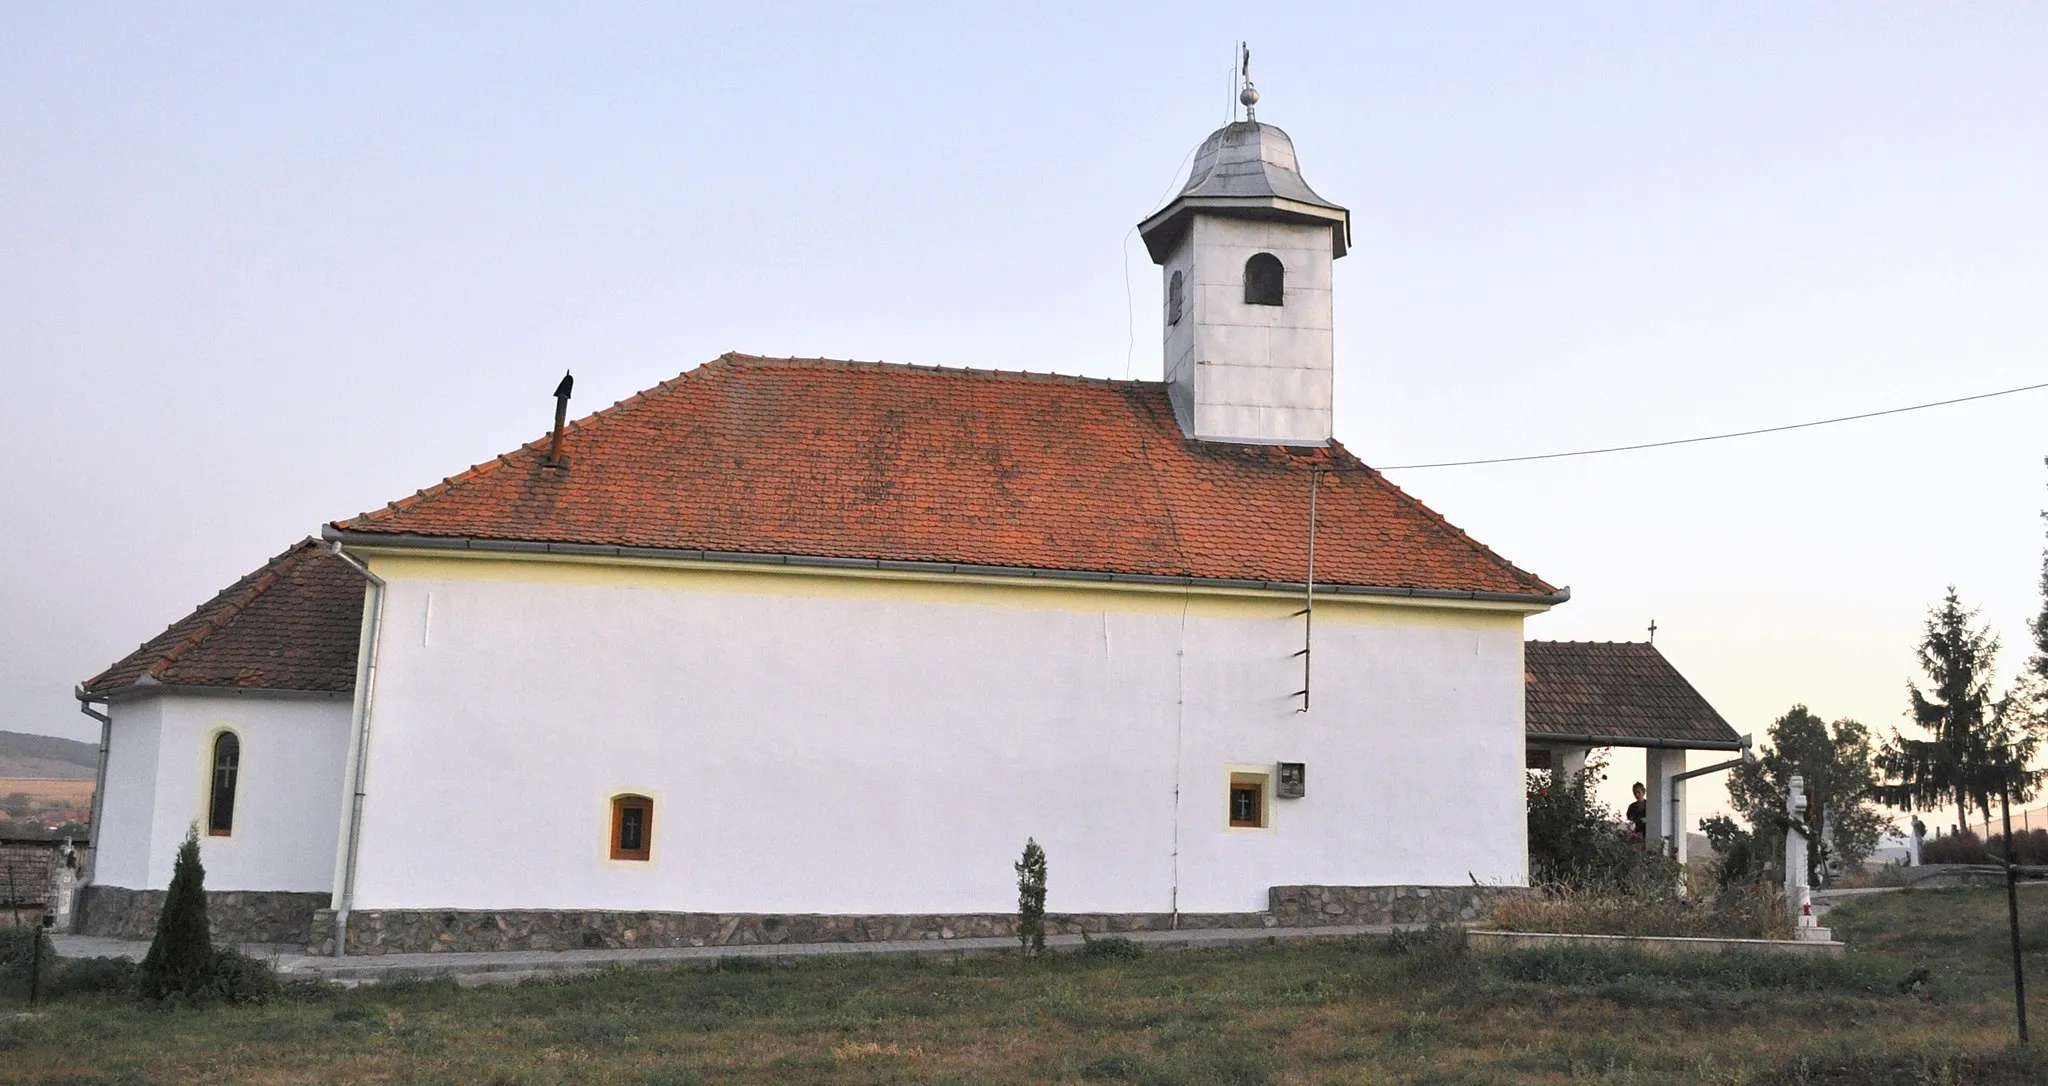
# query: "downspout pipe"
99,783
1676,796
359,749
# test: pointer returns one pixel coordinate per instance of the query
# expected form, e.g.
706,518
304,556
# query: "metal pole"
2012,910
1308,602
35,962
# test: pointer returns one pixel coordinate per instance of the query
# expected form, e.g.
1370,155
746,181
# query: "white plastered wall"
825,744
288,793
128,810
1256,373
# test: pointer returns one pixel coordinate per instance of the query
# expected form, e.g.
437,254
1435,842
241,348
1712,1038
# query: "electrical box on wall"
1293,782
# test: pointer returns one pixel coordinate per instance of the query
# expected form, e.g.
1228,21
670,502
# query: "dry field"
1411,1009
45,791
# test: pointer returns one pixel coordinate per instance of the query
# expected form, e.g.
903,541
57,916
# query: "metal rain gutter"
99,779
359,751
339,536
1588,740
1678,794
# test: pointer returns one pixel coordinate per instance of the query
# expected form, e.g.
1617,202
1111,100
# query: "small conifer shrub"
1031,898
181,958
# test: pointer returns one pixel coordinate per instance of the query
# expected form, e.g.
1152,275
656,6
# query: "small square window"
632,827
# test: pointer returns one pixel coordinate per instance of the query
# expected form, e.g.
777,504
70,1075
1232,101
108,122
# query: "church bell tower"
1246,250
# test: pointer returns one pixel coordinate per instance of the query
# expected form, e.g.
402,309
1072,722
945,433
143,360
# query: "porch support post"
1666,819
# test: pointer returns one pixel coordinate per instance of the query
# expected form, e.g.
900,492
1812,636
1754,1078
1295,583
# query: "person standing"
1639,813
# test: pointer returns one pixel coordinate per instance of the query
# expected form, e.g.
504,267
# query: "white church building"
807,649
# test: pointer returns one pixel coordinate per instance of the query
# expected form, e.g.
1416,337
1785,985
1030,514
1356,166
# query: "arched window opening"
632,827
1173,299
1265,281
227,767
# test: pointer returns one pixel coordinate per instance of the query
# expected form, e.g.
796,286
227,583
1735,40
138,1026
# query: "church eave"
1163,230
409,542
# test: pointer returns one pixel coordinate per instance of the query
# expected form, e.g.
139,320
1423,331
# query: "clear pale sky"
265,266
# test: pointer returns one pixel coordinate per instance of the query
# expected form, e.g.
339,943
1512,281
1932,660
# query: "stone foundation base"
416,931
243,916
1316,906
305,919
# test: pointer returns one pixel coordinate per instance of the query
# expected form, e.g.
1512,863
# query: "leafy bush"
1111,946
1958,848
1739,852
74,976
181,955
236,977
61,976
17,951
1576,842
2031,847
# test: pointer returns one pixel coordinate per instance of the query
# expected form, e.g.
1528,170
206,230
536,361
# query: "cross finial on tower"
1249,96
1653,631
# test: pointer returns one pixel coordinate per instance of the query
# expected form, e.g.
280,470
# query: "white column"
1797,901
1665,824
1571,759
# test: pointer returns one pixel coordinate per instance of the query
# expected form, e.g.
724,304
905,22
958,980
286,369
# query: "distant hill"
24,755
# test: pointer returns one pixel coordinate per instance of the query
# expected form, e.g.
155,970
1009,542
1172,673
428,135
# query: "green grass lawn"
1406,1009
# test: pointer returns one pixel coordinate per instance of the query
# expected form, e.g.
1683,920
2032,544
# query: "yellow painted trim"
206,749
920,587
604,849
1261,775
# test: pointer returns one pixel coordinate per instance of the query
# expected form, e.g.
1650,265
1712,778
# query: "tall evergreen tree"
180,958
1031,898
1978,745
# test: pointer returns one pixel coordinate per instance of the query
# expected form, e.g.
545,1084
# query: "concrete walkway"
507,966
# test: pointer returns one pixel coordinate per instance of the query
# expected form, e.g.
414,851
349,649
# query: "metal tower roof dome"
1246,170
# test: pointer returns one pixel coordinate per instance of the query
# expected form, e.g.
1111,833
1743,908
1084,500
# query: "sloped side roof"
292,625
1620,693
905,463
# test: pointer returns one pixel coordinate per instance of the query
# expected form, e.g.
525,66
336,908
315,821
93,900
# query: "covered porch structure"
1587,694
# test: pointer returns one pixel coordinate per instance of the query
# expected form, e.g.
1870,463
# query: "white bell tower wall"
1242,372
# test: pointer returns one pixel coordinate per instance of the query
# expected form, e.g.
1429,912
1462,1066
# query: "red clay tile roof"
1621,693
908,463
292,625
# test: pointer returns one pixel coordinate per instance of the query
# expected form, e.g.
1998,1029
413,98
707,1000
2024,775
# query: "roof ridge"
765,361
726,360
265,576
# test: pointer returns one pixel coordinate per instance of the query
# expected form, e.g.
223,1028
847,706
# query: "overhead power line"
1714,437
